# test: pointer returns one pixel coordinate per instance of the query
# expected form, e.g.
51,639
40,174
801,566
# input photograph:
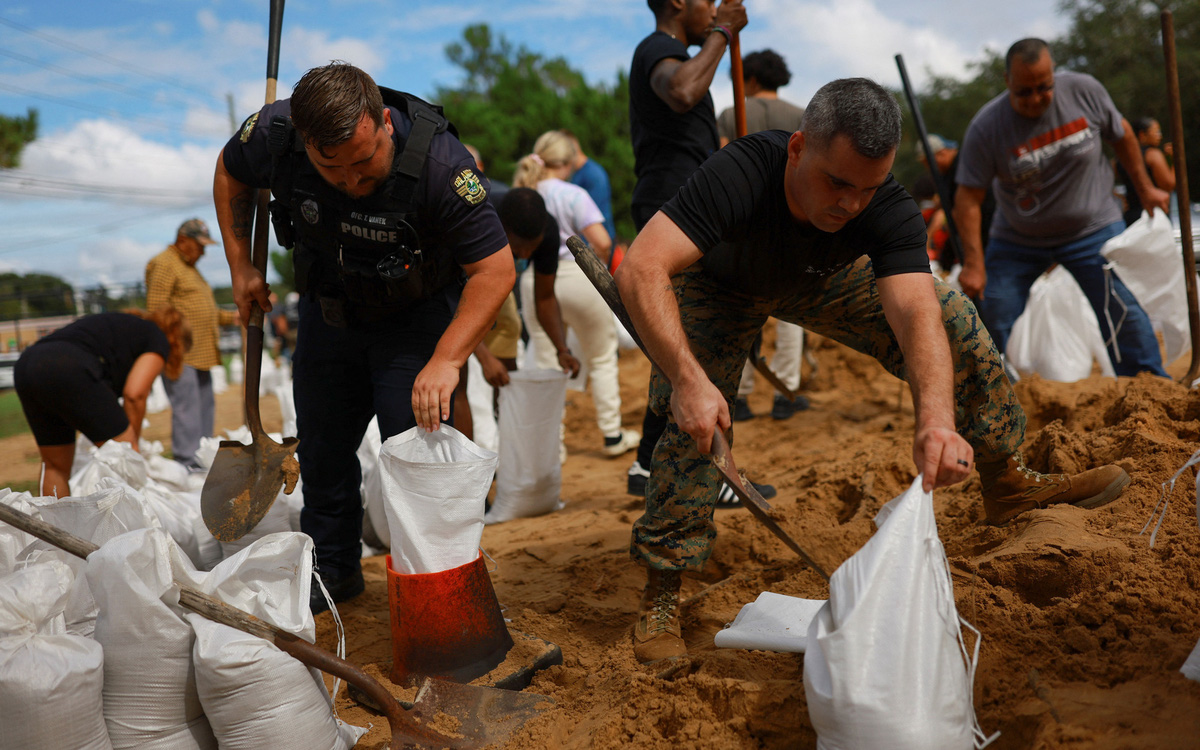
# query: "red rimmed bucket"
446,625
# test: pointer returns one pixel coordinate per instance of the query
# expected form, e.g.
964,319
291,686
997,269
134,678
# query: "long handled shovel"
245,479
721,456
484,716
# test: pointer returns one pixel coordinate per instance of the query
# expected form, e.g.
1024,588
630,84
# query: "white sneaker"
627,440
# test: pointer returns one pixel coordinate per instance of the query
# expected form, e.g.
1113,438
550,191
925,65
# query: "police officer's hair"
857,108
328,103
552,149
766,67
1028,50
523,212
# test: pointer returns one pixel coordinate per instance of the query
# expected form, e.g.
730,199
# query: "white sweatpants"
789,343
584,312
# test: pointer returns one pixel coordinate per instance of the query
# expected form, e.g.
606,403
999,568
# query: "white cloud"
314,47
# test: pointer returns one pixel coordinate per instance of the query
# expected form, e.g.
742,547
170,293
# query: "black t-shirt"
734,209
449,219
116,340
667,146
545,257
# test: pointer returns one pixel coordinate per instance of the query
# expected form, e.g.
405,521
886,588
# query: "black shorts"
62,390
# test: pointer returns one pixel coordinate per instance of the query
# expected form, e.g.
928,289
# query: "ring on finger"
961,462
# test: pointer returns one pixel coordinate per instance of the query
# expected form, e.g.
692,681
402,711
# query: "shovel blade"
243,483
473,715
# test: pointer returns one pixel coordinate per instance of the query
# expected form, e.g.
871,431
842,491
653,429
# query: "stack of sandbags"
255,695
51,682
150,697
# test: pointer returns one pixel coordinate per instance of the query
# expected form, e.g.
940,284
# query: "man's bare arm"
968,217
682,84
660,251
234,201
915,315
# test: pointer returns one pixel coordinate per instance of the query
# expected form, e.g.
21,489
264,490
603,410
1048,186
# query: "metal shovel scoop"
245,479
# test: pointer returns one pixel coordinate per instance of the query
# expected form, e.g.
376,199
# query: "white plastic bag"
483,417
51,683
1148,262
885,665
375,523
255,695
12,539
434,488
1057,335
529,473
150,698
772,622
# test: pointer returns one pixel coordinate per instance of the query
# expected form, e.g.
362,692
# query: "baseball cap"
198,230
937,143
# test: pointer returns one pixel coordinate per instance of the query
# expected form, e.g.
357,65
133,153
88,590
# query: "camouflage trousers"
676,532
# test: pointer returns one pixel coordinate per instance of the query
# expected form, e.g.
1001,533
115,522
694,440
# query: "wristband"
726,32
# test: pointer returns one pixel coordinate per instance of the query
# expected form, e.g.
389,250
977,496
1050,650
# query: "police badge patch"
469,188
248,128
310,212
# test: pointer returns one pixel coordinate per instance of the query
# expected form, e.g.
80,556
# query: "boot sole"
1107,495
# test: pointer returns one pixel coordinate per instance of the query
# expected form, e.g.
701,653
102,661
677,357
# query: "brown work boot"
656,635
1010,488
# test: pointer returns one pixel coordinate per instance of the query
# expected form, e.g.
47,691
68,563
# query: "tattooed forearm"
242,208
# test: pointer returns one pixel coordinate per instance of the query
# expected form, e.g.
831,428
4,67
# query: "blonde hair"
551,150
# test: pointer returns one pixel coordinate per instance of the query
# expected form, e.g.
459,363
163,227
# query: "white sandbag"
51,682
529,473
115,460
220,380
434,488
254,695
772,622
157,401
885,664
207,451
375,523
1191,667
287,408
277,520
12,539
113,509
236,370
1057,335
625,341
167,472
208,548
150,698
483,416
1148,262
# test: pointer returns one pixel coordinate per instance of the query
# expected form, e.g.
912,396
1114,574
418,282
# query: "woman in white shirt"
583,309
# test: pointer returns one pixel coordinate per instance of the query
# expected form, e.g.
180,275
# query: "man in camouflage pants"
810,228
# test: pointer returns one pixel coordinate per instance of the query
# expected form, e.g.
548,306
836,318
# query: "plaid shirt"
171,281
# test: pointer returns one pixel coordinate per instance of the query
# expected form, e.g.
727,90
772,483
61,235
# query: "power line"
19,184
104,228
111,85
103,57
164,124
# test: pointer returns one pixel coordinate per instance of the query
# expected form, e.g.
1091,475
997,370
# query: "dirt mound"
1084,626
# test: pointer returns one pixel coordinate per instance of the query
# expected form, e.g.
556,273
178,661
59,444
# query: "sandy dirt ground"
1084,626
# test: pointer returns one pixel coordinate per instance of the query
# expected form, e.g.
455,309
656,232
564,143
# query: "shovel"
721,456
480,716
245,479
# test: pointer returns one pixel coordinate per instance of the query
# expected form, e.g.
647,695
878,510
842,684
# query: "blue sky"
132,95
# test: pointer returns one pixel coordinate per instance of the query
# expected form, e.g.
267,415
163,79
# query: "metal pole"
1181,187
939,182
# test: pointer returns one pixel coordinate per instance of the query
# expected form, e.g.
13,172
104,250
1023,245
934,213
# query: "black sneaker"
784,409
726,498
741,410
340,590
636,480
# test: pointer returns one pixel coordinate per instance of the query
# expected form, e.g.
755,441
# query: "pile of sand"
1084,626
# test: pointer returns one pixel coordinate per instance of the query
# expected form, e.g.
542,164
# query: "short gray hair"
859,109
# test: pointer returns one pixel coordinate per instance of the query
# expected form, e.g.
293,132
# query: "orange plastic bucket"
446,625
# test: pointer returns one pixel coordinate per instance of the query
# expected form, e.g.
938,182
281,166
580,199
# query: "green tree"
15,132
34,295
510,95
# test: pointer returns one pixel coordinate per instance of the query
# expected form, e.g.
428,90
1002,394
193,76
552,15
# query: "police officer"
401,265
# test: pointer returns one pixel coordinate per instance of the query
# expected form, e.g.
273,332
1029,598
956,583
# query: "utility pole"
233,122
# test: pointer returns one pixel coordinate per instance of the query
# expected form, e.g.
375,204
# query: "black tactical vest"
362,258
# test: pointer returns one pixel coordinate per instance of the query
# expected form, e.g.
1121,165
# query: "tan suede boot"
1010,488
657,635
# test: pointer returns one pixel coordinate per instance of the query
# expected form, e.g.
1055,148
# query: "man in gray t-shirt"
1039,146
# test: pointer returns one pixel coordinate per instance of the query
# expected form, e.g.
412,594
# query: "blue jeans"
341,378
1012,269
